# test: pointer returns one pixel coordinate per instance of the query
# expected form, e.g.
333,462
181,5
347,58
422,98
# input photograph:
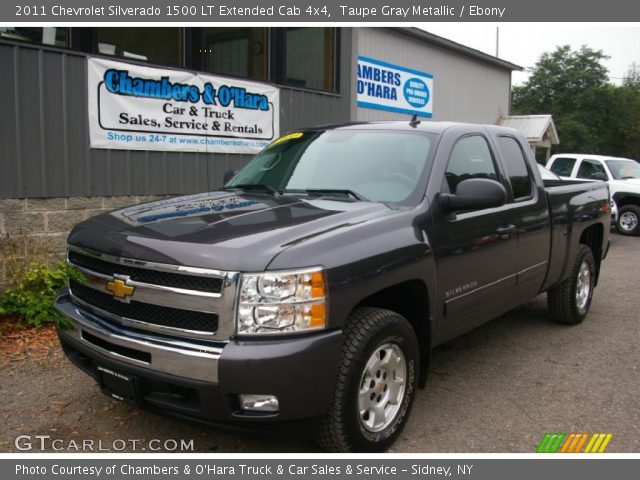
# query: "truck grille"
154,277
146,312
165,299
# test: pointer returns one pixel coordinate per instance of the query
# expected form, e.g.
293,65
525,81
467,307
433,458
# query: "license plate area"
118,385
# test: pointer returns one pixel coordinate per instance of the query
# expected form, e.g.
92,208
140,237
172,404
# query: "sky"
523,43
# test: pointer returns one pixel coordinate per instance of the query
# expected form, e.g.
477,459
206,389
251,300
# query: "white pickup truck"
622,174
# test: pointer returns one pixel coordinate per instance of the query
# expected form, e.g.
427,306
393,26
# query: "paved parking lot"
497,389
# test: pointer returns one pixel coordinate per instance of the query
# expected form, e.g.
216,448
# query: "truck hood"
220,230
629,185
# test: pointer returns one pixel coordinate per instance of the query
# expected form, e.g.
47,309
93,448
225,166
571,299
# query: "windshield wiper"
628,178
336,191
255,186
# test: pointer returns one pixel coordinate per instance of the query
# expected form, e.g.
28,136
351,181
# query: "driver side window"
470,158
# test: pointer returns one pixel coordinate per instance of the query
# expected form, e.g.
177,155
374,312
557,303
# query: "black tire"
564,303
628,222
369,334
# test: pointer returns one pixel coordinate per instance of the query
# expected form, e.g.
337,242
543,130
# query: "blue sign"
384,86
416,92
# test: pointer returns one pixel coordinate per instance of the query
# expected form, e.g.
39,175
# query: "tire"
363,416
569,301
628,222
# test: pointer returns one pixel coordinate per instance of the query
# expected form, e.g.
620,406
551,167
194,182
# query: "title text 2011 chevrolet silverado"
316,282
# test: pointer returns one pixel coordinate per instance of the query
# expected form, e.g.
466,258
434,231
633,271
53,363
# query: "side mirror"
599,176
474,194
228,175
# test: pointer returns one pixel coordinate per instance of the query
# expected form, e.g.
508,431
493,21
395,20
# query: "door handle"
506,231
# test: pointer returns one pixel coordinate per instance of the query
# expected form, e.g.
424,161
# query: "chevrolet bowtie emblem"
119,289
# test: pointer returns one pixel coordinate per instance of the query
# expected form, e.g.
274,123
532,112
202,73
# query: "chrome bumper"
179,357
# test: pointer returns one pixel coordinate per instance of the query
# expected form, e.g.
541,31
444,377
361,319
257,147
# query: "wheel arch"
409,299
592,237
623,199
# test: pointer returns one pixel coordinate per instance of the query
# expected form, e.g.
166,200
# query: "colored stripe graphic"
574,443
551,442
598,443
569,444
556,442
581,443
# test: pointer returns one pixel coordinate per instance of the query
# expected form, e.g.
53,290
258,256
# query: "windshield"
621,169
376,165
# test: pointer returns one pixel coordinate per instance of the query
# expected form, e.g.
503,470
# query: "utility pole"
497,40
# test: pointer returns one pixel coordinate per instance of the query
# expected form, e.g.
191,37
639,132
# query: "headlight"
281,302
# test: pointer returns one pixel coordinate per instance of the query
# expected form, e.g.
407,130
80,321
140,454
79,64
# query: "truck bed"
574,205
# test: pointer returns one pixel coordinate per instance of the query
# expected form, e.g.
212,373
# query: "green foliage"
31,298
562,81
591,115
632,77
34,274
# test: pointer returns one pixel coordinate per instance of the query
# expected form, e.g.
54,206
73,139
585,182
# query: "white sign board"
385,86
133,107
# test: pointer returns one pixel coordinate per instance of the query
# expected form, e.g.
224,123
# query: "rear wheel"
569,301
629,220
376,383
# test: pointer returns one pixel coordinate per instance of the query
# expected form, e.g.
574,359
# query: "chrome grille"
155,277
146,312
168,299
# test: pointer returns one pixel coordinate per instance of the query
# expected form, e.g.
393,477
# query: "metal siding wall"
76,128
53,136
29,95
44,133
10,174
465,89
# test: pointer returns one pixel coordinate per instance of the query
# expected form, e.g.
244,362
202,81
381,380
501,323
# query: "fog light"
258,403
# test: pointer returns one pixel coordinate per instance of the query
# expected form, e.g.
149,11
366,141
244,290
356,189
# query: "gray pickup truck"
315,283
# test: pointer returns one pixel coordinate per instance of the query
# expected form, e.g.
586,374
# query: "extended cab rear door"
475,251
529,205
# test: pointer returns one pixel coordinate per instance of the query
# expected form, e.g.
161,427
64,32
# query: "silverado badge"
119,289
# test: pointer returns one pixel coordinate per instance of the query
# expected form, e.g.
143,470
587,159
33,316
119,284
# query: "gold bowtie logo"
119,289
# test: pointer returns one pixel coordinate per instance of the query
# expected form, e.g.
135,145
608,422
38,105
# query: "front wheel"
570,300
629,220
376,383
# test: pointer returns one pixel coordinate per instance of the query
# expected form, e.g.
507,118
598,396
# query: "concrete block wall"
26,222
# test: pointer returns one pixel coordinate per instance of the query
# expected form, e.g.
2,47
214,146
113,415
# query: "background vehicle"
622,174
547,175
315,283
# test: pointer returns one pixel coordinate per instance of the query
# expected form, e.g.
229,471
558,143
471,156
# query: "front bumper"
202,380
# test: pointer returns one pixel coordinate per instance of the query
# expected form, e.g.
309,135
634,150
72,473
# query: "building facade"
468,86
51,177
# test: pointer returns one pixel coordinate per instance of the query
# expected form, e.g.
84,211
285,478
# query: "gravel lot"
497,389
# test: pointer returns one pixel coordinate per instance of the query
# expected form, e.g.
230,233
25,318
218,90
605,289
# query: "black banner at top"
325,11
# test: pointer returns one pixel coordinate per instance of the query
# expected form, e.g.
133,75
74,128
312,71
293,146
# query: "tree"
632,77
591,114
562,80
627,139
